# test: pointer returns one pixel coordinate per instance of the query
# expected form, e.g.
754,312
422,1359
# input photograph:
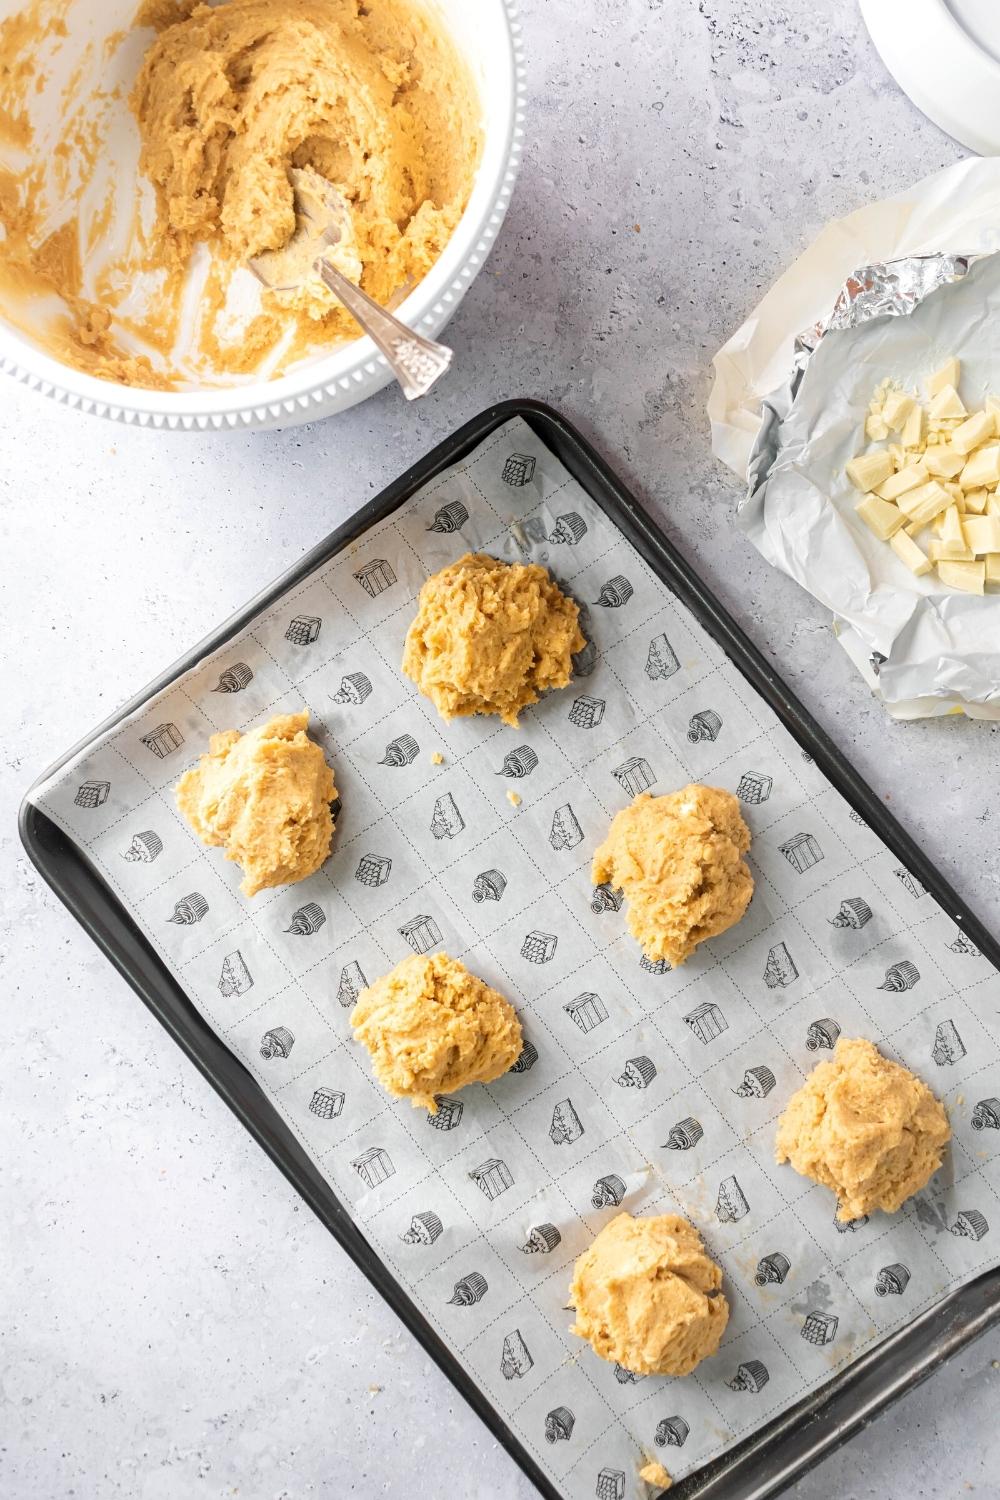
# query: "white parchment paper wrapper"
941,647
658,1091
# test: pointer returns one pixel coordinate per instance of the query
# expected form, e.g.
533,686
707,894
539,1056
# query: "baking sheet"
513,1340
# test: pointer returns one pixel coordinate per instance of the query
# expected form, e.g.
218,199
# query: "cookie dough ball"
679,860
432,1027
655,1475
490,637
865,1127
648,1297
265,797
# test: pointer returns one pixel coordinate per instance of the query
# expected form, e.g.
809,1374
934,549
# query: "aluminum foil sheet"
884,289
915,640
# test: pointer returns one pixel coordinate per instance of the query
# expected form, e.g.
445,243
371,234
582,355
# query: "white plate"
945,55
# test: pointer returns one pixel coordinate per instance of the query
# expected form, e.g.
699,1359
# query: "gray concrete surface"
175,1323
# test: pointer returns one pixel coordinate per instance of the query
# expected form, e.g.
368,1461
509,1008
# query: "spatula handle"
416,362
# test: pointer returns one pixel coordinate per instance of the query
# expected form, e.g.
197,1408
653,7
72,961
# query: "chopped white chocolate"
913,428
880,516
982,534
869,470
906,479
897,407
943,552
925,502
947,403
909,553
953,543
943,461
948,374
973,431
970,577
983,468
939,471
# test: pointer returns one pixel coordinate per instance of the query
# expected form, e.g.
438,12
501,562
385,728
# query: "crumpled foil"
884,289
919,280
921,646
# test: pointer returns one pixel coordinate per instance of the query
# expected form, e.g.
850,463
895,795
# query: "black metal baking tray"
763,1464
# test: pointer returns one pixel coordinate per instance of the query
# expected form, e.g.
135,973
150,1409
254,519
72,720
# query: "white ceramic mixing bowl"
488,35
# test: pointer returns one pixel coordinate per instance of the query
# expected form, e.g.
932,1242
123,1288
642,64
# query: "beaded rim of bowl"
323,397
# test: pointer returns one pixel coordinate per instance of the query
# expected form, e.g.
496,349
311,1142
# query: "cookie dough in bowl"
153,146
679,861
866,1128
648,1296
490,637
265,797
432,1027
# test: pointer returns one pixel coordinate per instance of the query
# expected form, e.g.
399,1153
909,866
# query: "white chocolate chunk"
909,553
876,429
880,517
897,407
943,552
948,374
976,501
983,468
982,534
869,470
947,403
953,543
973,431
970,577
898,484
943,461
925,502
992,567
913,428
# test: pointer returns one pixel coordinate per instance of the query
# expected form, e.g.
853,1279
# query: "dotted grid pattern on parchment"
653,1091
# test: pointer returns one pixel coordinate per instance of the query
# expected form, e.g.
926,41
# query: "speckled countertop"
175,1321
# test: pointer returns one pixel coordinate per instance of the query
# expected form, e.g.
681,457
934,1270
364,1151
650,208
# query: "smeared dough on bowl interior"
490,637
228,98
264,796
432,1027
679,861
865,1127
648,1296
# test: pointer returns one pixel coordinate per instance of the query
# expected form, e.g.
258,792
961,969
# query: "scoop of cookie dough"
432,1027
654,1474
648,1297
490,637
265,797
679,861
865,1127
